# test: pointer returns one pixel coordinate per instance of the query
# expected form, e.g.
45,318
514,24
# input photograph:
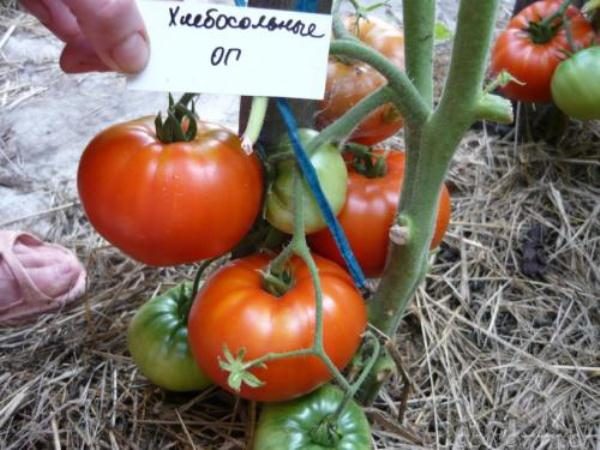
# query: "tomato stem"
201,269
343,126
405,96
370,338
180,124
430,145
256,120
365,162
419,25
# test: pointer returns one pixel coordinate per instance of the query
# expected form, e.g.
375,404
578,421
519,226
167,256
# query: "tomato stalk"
256,120
437,140
238,368
431,140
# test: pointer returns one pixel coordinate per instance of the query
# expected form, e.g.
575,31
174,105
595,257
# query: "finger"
55,16
115,29
79,57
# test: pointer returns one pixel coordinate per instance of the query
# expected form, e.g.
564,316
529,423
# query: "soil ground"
500,346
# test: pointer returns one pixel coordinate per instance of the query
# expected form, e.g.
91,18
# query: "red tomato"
530,58
166,204
368,214
348,83
233,309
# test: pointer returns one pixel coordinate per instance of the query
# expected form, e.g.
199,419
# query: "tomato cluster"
181,191
547,52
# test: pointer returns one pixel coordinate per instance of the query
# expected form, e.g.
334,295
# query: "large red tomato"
350,82
368,214
233,309
531,53
166,204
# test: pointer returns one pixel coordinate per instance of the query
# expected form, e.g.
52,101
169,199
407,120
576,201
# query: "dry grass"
500,345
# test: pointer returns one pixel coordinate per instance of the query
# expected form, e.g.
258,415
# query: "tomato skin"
158,342
233,309
532,63
167,204
368,214
347,84
576,85
333,177
291,425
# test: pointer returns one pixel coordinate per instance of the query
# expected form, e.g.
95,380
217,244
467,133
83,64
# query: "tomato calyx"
365,162
277,282
545,30
326,434
238,370
180,124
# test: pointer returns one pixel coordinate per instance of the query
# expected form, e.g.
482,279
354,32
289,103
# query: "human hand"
99,35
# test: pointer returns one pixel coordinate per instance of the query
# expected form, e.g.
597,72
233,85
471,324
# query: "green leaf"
591,5
441,32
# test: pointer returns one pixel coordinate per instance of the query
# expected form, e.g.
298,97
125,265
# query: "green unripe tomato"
306,423
332,175
158,342
576,85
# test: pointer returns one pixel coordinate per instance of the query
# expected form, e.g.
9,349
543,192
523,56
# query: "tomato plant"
576,85
350,81
169,203
309,423
158,341
531,49
369,213
234,310
332,175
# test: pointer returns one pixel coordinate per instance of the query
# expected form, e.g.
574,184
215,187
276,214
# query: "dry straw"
500,347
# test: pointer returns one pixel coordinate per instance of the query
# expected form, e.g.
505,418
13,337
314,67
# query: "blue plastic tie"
240,2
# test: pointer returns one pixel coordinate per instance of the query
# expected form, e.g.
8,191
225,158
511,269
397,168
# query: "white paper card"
219,49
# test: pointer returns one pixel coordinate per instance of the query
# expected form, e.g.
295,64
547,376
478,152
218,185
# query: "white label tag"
197,47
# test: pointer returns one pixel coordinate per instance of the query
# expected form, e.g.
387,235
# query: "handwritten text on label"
229,50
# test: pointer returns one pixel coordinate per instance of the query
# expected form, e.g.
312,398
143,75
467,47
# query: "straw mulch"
499,348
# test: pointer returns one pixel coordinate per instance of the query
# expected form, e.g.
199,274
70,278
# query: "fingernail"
39,10
131,55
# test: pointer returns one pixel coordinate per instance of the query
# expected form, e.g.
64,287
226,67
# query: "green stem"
434,145
343,126
405,96
299,246
419,25
256,119
339,30
349,395
201,269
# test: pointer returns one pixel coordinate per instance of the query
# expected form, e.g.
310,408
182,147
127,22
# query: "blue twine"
310,175
306,5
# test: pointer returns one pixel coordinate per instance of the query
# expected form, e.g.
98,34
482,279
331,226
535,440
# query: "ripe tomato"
157,338
233,309
166,204
531,56
332,174
349,82
576,85
368,214
296,424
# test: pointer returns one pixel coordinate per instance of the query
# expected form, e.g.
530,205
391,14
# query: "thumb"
115,30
